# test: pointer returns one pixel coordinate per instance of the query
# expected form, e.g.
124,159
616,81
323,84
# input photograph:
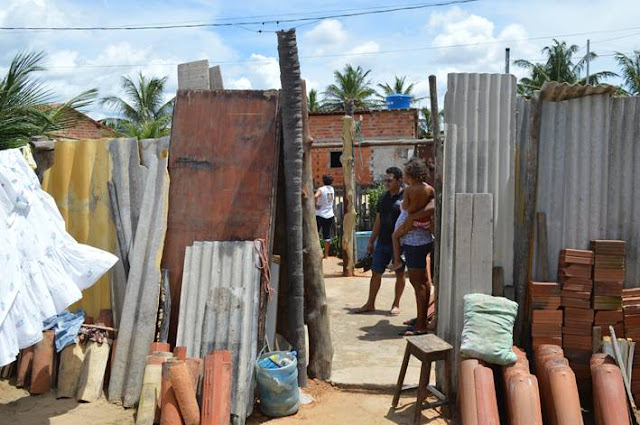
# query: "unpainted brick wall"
386,124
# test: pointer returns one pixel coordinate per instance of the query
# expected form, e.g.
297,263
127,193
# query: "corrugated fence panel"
78,183
623,200
221,293
479,158
573,173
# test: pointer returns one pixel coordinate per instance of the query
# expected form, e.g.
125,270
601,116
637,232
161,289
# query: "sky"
465,37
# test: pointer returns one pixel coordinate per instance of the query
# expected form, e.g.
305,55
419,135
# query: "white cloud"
239,84
263,71
327,32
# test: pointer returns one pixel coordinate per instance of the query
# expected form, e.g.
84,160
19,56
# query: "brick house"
87,128
388,138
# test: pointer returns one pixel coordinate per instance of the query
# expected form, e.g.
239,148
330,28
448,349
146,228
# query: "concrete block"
194,75
215,78
71,360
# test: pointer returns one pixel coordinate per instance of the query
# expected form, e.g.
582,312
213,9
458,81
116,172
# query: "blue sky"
403,43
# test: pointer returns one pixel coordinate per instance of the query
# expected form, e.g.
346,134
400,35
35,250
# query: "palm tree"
560,66
313,103
143,114
398,87
630,71
351,86
426,126
27,106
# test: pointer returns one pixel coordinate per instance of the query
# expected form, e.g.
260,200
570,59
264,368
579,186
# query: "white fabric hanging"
42,268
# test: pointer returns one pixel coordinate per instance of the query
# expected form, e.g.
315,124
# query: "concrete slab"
368,349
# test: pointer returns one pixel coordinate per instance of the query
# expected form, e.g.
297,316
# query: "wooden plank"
438,142
542,248
524,248
482,243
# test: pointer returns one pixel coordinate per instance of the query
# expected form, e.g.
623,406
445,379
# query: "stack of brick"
608,275
631,308
546,319
574,272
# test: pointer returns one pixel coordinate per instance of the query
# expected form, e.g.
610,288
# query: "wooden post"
438,151
524,247
349,218
316,310
292,147
542,252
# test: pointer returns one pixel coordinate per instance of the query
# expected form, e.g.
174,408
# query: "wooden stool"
426,348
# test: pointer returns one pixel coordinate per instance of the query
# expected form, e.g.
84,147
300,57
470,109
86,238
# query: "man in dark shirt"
388,212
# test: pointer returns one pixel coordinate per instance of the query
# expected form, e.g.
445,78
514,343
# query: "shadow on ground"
383,330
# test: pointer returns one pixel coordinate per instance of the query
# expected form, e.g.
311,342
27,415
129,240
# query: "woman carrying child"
414,240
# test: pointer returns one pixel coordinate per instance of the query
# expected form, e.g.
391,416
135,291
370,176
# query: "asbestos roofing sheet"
219,311
588,175
479,157
138,318
223,167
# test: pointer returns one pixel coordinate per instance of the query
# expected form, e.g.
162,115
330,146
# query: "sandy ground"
368,354
18,407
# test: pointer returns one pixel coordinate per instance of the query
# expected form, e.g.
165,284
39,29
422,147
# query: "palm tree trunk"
316,309
292,143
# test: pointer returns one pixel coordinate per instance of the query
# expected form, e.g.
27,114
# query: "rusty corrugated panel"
219,311
223,167
78,183
556,92
588,175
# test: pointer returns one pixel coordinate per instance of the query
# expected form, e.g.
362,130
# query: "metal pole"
588,52
507,52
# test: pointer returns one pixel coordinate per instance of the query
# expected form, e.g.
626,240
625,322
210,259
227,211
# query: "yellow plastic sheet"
78,183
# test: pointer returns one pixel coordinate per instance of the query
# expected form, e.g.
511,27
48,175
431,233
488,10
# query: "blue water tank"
399,101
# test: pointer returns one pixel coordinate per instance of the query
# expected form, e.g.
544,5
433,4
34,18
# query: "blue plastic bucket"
398,101
362,240
278,384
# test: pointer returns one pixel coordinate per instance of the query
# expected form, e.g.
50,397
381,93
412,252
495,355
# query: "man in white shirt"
324,198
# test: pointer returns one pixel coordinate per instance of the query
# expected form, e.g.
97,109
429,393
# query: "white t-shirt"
324,205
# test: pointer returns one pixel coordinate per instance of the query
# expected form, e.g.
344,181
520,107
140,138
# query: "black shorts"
324,226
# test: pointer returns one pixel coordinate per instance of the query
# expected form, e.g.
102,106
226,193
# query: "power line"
360,12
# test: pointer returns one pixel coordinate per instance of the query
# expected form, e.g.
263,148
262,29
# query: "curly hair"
416,169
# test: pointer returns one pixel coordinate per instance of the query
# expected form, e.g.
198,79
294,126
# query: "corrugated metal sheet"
219,308
223,167
479,158
588,175
78,183
138,318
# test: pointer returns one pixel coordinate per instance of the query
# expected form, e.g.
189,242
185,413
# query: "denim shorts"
415,257
382,256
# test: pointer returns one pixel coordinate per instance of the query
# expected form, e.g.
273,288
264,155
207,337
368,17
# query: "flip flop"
395,311
413,332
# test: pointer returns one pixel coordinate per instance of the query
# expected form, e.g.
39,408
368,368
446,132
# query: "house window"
334,159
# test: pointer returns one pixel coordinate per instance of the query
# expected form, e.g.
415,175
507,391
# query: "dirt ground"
368,352
331,406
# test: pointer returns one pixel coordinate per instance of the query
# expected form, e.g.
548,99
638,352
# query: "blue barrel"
277,376
362,239
398,101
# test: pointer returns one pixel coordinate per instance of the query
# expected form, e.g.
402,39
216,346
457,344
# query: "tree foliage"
561,65
313,102
630,67
351,85
27,106
143,114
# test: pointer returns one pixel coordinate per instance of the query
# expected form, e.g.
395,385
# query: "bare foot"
394,311
364,309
